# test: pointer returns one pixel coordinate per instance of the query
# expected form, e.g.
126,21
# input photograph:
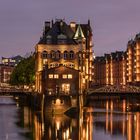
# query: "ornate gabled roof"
59,30
79,33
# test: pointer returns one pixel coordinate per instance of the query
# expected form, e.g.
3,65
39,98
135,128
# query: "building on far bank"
133,61
11,61
64,48
110,69
6,68
100,70
5,73
119,68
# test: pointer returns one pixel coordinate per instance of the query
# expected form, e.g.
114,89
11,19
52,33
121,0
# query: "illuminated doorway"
66,88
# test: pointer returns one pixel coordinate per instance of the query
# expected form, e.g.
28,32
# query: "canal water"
111,119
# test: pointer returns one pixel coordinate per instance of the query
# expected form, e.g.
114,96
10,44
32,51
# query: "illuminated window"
56,76
50,76
65,65
64,76
71,65
56,65
52,65
66,88
69,76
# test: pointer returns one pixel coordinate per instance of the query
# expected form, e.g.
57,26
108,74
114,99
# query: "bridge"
115,89
118,91
14,91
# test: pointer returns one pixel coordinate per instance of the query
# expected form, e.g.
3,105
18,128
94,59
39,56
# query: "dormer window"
61,39
49,39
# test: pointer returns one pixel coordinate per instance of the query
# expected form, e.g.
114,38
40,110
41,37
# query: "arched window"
44,55
53,54
58,55
65,55
71,54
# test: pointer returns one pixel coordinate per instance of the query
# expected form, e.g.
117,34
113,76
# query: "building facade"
110,69
64,47
133,61
5,73
100,70
11,61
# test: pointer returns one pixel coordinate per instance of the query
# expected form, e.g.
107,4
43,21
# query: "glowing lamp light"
50,92
58,101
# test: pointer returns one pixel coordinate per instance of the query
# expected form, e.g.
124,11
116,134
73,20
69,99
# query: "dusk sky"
113,22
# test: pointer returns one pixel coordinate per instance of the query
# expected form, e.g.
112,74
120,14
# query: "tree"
24,72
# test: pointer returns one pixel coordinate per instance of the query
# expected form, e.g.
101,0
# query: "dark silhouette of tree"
24,72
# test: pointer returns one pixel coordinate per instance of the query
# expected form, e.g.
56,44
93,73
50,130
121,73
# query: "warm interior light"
58,101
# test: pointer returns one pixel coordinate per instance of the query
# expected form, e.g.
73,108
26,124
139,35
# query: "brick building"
133,61
69,45
110,69
64,79
100,70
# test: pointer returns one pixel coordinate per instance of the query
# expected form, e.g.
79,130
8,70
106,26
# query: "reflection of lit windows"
50,76
56,76
64,76
69,76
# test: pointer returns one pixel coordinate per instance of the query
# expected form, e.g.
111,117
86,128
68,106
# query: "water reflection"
8,120
106,119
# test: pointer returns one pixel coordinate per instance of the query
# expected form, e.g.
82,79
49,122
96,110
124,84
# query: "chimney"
47,26
73,26
52,23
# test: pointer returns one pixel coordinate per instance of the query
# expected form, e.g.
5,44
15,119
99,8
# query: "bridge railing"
115,89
